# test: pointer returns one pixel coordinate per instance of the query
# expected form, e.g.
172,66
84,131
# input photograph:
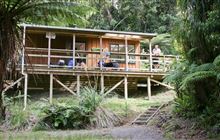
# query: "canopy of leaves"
132,15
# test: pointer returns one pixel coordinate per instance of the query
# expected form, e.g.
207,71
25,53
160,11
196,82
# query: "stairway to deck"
146,116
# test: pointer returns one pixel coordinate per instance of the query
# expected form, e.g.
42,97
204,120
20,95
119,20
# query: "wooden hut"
48,50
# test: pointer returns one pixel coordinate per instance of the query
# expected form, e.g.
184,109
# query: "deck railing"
39,58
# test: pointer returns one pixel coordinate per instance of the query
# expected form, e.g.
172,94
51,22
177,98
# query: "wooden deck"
105,72
49,76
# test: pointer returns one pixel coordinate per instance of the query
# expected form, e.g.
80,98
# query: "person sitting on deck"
70,63
61,62
106,62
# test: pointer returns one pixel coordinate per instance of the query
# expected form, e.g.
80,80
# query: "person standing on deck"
81,61
156,53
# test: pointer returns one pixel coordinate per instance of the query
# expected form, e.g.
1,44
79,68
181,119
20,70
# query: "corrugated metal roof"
85,30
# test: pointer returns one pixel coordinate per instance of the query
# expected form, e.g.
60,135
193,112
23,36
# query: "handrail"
136,61
94,52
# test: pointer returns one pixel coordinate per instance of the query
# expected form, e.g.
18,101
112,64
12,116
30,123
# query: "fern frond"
216,62
197,76
179,71
205,67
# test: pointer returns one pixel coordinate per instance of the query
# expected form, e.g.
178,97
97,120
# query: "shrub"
87,113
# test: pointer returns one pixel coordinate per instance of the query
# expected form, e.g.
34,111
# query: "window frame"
118,45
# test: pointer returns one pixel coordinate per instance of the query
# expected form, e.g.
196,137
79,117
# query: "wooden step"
140,122
145,117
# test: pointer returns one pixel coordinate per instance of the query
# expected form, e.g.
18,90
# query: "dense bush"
87,113
198,91
197,77
68,116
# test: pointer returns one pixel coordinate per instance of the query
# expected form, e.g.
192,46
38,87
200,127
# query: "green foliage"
175,76
48,12
197,78
90,99
70,116
165,41
47,135
185,106
132,15
16,117
198,91
65,117
60,13
198,29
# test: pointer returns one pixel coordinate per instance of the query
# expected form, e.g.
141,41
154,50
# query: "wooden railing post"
150,60
74,50
23,50
49,47
100,61
126,54
50,36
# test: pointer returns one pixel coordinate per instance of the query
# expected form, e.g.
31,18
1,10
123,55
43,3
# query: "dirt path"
123,132
136,133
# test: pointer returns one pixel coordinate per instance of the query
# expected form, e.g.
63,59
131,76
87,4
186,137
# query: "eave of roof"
85,30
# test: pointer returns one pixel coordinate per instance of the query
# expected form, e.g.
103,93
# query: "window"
120,48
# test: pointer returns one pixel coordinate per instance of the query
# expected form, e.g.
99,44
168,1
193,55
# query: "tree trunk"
2,71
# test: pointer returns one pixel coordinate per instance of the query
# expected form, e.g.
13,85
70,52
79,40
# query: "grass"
44,135
127,109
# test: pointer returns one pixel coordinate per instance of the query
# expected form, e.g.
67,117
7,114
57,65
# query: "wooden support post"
126,54
150,59
126,87
115,86
51,87
23,50
149,87
74,50
101,48
78,85
25,90
102,84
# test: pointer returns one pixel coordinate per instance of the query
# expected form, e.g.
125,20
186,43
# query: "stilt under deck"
118,79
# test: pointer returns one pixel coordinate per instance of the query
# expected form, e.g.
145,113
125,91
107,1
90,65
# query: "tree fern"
196,76
216,62
13,12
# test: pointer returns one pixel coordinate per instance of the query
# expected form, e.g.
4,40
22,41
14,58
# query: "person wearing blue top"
70,63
